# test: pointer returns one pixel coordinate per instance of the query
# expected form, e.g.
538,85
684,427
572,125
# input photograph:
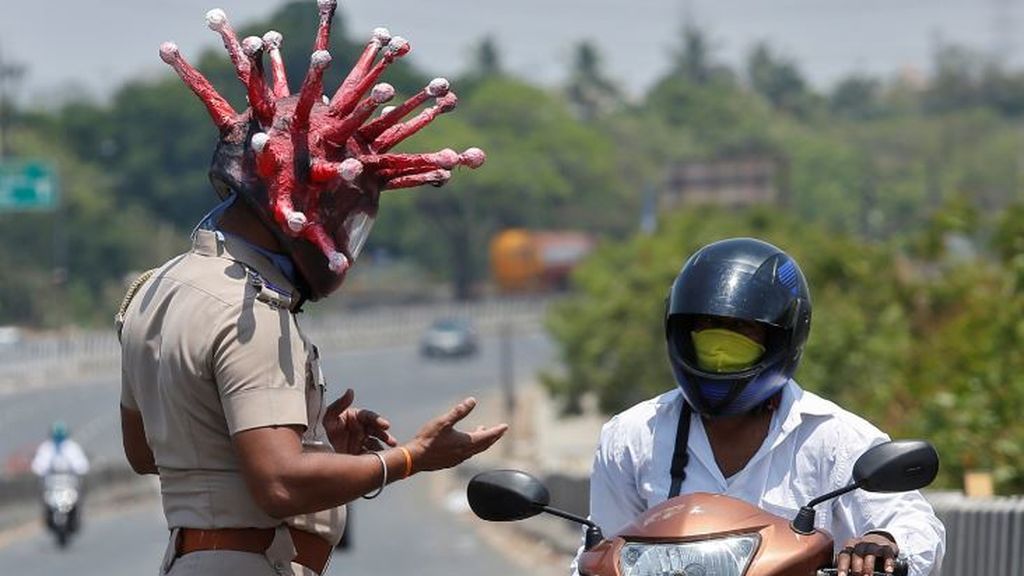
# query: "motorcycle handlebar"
902,568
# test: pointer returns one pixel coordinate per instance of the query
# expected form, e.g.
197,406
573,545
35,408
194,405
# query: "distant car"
449,337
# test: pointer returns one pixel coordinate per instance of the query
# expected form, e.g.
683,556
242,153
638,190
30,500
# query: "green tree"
71,264
856,97
544,169
778,80
589,91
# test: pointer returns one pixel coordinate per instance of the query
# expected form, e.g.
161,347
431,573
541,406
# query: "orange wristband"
408,461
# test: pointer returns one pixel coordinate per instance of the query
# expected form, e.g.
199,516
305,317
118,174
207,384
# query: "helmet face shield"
312,166
741,280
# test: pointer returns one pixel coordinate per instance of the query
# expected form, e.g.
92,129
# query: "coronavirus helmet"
310,166
741,279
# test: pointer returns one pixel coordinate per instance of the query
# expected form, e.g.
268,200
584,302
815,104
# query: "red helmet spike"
392,136
338,133
272,43
312,169
312,90
390,166
438,177
323,33
220,110
336,261
260,98
324,172
290,220
343,102
380,38
438,87
266,163
446,159
217,20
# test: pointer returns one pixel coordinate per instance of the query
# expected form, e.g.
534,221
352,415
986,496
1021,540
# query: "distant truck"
525,261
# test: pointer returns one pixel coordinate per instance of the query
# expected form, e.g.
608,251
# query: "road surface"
408,530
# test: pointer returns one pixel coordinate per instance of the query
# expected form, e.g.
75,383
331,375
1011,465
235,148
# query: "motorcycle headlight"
720,557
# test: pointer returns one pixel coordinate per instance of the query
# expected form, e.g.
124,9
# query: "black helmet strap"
680,456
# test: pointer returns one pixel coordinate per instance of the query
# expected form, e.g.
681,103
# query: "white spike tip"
273,39
382,92
251,45
337,262
381,36
447,159
169,52
399,46
259,141
351,169
473,158
296,221
438,87
320,59
216,19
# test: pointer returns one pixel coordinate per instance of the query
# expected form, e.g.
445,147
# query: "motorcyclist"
59,454
737,318
62,458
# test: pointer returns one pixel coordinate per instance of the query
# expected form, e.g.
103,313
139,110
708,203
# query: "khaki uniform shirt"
210,349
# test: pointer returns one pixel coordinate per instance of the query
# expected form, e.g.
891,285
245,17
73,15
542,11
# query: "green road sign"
27,186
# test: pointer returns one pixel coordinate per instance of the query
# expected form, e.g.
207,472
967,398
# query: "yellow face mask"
721,351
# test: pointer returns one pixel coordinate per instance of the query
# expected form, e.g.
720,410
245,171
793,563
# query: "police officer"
222,392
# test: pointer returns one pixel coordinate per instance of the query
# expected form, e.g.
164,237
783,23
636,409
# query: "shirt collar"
216,243
797,405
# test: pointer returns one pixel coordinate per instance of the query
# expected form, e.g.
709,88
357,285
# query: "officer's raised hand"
440,445
350,428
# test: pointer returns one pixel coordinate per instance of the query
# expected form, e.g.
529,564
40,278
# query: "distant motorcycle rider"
61,463
738,315
59,454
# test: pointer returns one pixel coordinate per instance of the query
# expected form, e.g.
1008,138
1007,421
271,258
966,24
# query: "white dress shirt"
810,450
68,457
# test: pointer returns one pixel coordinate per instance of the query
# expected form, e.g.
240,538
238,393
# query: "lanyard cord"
680,456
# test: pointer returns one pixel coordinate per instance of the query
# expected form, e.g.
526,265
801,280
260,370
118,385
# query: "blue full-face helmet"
741,279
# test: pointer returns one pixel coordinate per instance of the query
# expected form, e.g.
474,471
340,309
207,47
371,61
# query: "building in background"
737,181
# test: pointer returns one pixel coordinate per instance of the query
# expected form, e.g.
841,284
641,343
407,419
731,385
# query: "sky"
91,46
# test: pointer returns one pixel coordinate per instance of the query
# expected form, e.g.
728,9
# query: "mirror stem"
804,521
593,531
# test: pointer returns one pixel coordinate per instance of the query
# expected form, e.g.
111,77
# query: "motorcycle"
704,534
61,494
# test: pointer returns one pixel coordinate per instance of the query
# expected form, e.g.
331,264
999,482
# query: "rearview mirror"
506,495
897,466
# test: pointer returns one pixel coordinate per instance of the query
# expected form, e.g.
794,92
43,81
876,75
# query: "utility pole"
10,73
506,361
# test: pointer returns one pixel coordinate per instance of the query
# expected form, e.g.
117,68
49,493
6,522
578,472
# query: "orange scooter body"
701,516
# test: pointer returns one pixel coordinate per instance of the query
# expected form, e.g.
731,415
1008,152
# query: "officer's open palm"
440,445
350,429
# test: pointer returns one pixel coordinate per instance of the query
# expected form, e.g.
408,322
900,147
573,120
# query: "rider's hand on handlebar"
440,445
862,555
